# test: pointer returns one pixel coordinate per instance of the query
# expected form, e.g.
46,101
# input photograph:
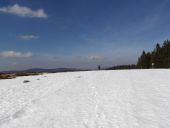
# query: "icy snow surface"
96,99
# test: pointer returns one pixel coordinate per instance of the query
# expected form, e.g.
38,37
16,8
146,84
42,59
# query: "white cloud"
14,54
24,11
95,57
28,37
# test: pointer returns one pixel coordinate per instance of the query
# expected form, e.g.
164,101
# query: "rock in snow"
96,99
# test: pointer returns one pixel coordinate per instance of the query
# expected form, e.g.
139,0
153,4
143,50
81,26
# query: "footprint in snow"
18,114
4,120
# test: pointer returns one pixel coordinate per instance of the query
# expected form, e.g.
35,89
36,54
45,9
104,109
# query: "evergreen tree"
158,58
144,60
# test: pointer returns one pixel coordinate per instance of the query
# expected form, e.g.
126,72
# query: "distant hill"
41,70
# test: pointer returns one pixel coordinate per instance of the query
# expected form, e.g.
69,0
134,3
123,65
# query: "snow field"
96,99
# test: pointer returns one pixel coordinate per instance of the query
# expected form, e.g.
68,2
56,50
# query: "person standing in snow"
99,67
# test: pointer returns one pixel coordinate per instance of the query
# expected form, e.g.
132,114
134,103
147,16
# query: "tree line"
158,58
133,66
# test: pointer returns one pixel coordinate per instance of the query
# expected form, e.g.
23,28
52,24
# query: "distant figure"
153,65
99,67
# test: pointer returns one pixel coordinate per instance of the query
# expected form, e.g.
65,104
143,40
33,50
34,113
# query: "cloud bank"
24,11
28,37
14,54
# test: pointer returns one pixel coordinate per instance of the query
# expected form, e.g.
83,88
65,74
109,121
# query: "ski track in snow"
96,99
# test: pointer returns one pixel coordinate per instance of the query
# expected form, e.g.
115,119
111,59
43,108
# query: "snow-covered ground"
96,99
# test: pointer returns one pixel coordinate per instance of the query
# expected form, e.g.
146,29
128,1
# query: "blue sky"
79,33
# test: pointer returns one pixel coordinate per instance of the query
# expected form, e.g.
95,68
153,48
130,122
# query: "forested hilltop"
158,58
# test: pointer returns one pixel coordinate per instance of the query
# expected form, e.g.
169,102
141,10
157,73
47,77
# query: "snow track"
101,99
